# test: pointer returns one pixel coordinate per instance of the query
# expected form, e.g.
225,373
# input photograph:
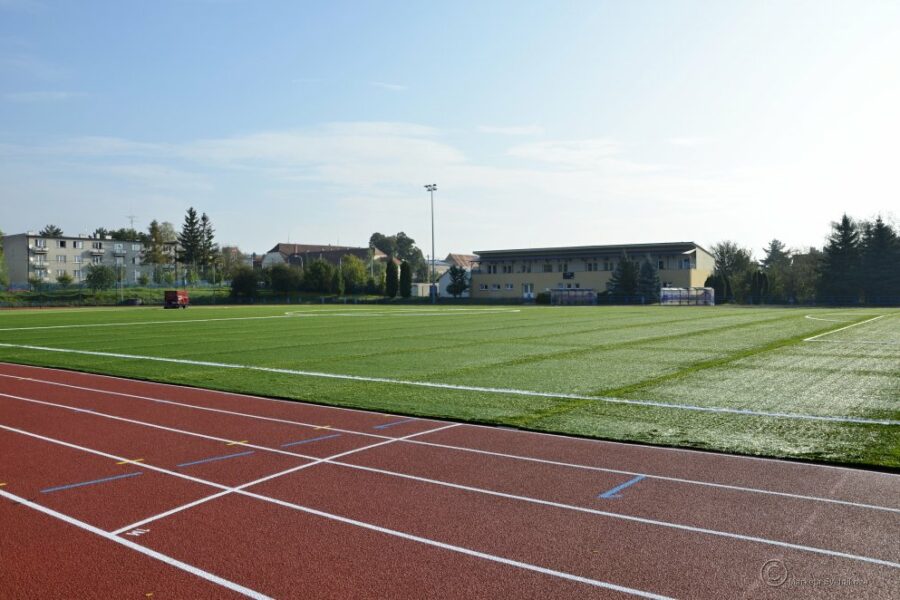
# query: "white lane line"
332,517
618,516
411,441
315,461
138,548
300,403
465,388
812,318
815,337
170,322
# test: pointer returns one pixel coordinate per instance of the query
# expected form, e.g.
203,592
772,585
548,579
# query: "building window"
60,258
40,243
77,259
97,245
495,287
686,264
608,265
137,275
509,286
118,247
548,268
492,269
76,273
661,264
60,243
507,269
563,267
78,244
95,260
120,261
136,247
483,287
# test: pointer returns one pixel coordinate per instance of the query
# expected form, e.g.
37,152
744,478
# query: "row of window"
608,265
77,274
79,244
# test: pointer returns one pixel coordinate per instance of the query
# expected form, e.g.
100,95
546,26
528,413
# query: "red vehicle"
176,299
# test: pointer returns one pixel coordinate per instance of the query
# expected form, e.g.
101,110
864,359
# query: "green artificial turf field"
686,373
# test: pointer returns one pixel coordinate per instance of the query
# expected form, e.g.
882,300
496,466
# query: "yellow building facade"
524,273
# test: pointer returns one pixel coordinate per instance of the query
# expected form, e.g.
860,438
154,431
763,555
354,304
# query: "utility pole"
432,188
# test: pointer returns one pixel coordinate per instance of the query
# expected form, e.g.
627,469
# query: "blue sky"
543,123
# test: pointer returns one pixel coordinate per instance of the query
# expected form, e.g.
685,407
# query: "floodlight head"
431,187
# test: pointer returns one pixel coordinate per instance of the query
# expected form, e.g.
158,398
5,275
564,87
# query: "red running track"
113,487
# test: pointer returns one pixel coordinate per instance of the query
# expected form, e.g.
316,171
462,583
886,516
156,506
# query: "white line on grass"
426,443
408,439
428,541
137,547
376,412
331,517
465,388
130,323
815,337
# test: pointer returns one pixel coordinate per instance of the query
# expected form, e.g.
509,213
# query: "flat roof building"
525,272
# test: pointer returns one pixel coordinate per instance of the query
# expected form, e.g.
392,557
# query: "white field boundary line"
642,520
821,335
464,388
315,461
412,441
137,548
333,517
361,313
301,403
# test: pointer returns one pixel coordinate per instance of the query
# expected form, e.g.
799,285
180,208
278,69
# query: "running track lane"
851,529
783,476
479,429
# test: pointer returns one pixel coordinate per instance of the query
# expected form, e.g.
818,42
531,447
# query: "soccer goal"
694,296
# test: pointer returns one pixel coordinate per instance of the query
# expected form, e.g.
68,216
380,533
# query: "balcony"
97,251
118,253
38,249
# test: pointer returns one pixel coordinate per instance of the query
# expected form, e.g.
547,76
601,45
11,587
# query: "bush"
405,279
244,282
100,277
284,279
542,298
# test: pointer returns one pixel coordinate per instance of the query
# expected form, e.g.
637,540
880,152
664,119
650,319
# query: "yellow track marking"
324,427
236,443
2,484
133,460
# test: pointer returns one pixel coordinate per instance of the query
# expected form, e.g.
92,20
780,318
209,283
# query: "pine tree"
190,240
155,253
623,284
648,281
51,231
880,261
392,282
839,275
459,281
405,279
208,250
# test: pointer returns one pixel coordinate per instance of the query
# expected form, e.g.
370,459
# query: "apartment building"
523,273
29,255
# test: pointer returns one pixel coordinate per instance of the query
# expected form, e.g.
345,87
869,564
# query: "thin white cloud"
391,87
42,96
513,130
688,141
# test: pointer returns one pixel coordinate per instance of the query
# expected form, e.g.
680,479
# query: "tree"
776,265
803,276
392,281
100,277
840,281
244,282
143,280
337,283
101,233
353,271
64,280
759,287
128,234
623,283
155,251
319,276
648,281
4,276
207,250
403,247
880,258
405,279
459,281
231,259
191,239
51,231
734,264
717,283
284,279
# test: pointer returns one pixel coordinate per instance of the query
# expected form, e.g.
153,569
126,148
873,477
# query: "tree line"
859,264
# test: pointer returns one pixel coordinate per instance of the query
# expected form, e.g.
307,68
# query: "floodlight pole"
432,187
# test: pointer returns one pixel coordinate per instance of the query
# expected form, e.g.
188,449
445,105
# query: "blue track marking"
386,425
613,493
214,458
75,485
315,439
